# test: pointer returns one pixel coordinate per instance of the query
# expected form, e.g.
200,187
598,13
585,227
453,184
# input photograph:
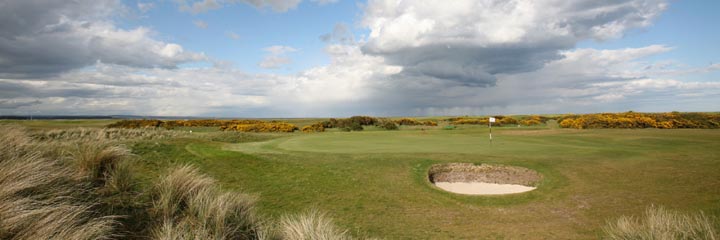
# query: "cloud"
202,6
232,35
340,34
582,80
276,56
471,42
323,2
420,58
41,38
145,7
14,104
201,24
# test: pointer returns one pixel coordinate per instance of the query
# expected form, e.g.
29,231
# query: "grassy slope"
374,182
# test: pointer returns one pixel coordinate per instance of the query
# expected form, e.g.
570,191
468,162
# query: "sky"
337,58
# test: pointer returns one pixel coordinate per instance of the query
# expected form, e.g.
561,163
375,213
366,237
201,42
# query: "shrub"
170,124
660,223
316,127
350,123
389,125
414,122
430,123
641,120
532,120
355,126
474,121
502,120
264,127
363,120
408,122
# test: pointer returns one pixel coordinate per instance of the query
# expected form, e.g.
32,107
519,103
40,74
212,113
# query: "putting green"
431,141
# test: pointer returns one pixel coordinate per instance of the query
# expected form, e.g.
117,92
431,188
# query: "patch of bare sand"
483,179
481,188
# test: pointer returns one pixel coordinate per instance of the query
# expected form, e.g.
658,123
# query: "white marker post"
490,121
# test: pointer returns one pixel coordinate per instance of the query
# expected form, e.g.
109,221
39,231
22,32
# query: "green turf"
374,182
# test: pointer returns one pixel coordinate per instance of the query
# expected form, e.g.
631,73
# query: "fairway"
375,182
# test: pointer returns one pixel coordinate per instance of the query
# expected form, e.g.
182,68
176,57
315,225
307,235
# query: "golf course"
374,183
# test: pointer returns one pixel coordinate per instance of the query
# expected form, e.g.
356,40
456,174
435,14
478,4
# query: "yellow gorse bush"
641,120
414,122
317,127
153,123
263,127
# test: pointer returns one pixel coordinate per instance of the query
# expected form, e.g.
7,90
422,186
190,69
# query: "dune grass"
192,207
311,225
39,195
659,223
83,189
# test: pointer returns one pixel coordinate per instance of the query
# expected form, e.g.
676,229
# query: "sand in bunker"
481,188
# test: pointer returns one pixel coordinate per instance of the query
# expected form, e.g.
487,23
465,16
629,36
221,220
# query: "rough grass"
311,225
659,223
191,206
36,195
82,186
97,134
96,159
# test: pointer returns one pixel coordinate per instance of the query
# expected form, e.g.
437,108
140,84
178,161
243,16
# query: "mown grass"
374,183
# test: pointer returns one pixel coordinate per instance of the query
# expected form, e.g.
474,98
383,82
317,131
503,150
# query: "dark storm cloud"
471,42
469,65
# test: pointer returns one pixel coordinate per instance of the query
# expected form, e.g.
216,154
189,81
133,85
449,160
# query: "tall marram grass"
115,134
659,223
191,206
311,225
96,159
79,184
36,200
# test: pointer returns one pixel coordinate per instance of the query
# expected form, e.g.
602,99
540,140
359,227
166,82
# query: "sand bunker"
484,179
481,188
